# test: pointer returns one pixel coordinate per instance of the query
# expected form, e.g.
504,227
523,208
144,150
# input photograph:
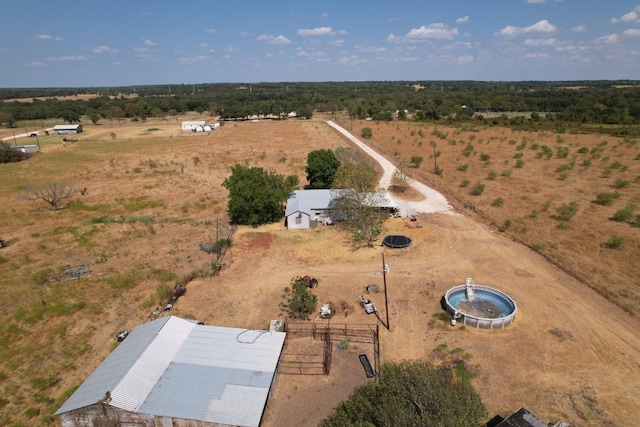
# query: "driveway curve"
433,202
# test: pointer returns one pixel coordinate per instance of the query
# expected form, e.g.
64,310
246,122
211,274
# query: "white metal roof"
173,367
66,127
307,201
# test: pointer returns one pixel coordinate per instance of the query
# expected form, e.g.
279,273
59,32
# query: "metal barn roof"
175,368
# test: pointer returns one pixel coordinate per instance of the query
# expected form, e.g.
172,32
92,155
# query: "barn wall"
99,415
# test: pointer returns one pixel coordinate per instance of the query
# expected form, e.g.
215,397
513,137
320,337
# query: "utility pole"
386,300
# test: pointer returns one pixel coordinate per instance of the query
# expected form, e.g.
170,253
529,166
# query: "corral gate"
320,364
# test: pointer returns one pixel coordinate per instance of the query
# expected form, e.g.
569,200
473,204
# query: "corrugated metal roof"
306,201
175,368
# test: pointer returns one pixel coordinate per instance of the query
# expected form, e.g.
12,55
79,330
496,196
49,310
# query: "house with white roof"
173,372
306,207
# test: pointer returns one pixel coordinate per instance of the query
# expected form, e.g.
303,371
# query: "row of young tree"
601,102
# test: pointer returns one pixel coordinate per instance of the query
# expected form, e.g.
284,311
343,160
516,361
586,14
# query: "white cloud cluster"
543,26
462,20
48,37
436,31
628,18
68,58
273,39
320,31
104,49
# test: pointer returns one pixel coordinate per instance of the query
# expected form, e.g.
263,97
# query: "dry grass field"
153,195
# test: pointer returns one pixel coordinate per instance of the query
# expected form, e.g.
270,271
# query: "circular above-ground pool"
480,306
396,241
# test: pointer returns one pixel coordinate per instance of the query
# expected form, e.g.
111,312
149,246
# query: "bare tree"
53,193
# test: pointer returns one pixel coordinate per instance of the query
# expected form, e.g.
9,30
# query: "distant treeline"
578,102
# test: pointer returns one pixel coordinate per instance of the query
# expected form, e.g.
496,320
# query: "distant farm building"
195,126
306,207
67,129
173,372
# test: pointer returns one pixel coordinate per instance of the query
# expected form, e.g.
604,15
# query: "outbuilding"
67,129
193,125
173,372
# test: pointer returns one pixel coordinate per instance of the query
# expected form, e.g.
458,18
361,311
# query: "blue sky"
45,43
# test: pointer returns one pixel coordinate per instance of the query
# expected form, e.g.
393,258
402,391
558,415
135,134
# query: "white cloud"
104,49
210,30
320,31
437,31
141,49
194,59
36,64
536,1
370,49
203,45
352,60
540,42
631,32
462,20
336,43
543,26
579,29
48,37
148,42
629,17
68,58
273,40
464,59
536,55
609,39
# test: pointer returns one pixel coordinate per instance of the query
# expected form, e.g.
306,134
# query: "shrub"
567,211
621,183
506,172
497,202
416,161
366,133
477,189
606,199
505,226
626,214
583,150
485,157
492,175
298,300
615,242
519,163
463,167
464,183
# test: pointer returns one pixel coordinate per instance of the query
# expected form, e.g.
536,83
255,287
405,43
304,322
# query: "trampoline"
396,241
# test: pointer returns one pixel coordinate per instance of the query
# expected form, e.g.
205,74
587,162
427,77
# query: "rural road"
433,201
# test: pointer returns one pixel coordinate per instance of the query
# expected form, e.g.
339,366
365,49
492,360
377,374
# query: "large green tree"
321,168
412,393
257,196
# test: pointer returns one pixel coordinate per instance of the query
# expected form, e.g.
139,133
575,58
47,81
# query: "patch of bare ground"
571,353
